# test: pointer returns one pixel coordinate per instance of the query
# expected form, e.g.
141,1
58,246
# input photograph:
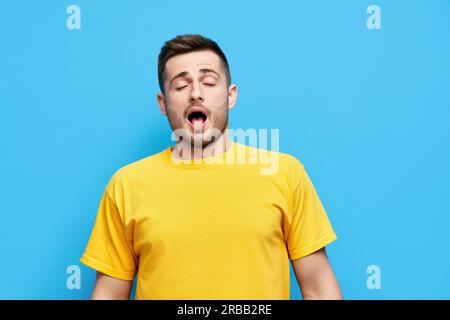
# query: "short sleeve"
307,228
108,249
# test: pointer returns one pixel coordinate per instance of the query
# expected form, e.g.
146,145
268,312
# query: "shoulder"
128,174
292,168
285,167
291,162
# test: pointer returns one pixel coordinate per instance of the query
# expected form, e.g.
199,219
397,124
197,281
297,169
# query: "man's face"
197,95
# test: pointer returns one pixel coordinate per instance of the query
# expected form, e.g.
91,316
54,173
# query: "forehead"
192,61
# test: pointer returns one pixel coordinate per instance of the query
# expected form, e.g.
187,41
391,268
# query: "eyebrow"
185,73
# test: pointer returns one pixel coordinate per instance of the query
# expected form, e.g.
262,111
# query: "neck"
186,151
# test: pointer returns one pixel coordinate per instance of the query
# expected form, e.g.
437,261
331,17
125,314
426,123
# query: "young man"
193,225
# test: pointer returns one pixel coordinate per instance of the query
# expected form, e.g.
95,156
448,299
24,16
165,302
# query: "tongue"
197,121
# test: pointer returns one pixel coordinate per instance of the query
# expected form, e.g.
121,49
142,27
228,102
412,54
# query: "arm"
316,278
109,288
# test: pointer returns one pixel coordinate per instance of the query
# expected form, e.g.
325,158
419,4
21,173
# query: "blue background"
366,111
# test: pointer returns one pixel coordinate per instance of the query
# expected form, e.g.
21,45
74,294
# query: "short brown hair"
188,43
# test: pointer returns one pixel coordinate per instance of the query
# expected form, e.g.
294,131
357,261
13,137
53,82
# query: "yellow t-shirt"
212,230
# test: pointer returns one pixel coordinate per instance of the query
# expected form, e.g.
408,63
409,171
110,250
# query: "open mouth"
197,117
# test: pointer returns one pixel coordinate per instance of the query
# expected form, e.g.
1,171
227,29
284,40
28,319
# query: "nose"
196,93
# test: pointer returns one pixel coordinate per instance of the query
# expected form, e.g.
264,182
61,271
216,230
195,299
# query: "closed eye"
206,84
181,88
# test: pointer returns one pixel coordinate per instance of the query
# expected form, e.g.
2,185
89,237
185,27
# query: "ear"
161,102
232,95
